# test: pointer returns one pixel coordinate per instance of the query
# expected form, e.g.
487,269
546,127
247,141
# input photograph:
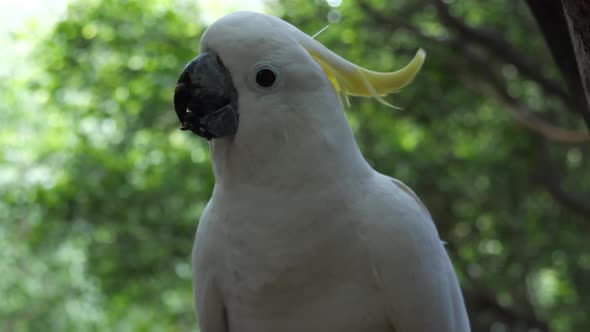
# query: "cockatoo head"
257,73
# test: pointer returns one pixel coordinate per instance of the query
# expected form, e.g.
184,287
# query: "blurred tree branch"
521,112
525,115
495,44
550,179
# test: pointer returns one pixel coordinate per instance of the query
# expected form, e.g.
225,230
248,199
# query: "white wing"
412,266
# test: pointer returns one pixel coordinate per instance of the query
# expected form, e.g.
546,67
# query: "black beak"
205,99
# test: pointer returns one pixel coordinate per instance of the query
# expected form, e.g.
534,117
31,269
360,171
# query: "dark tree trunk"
558,21
577,13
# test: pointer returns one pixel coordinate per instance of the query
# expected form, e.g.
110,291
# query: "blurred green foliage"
100,193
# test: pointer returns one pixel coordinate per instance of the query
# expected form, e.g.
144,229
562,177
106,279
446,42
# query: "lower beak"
205,98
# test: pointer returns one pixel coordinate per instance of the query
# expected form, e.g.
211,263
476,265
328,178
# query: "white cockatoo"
301,234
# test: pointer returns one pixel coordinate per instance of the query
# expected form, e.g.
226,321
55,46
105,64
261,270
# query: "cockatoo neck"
314,147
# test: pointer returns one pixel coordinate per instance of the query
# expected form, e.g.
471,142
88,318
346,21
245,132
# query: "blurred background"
100,193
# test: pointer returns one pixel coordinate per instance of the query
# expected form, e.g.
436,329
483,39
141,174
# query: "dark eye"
265,77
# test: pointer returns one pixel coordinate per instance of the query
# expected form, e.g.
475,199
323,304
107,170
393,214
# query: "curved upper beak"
205,98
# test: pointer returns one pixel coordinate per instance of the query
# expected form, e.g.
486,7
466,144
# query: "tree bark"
577,13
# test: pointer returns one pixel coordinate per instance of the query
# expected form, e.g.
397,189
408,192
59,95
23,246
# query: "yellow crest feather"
350,79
